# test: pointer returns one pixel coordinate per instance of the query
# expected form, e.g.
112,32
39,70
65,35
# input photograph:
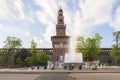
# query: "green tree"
90,47
1,59
4,54
29,61
117,38
42,58
18,60
23,53
12,44
33,51
115,53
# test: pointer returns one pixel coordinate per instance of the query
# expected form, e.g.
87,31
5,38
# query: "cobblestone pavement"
62,76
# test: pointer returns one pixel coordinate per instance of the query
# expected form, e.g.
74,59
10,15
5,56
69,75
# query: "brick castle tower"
60,42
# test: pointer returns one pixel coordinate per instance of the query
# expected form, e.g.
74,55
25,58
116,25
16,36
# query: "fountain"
73,60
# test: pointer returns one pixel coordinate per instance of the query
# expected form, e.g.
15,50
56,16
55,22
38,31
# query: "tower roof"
60,10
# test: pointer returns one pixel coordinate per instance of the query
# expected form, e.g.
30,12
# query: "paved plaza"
96,76
25,74
18,76
61,76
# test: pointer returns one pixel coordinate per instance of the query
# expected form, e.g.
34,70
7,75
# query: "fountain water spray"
72,56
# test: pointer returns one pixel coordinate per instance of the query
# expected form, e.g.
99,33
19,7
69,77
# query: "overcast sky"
36,19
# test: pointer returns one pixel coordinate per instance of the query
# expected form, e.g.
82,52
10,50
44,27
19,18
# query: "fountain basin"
73,61
73,58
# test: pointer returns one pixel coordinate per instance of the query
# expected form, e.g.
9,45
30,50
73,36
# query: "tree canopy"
12,42
42,58
89,47
115,53
23,53
37,58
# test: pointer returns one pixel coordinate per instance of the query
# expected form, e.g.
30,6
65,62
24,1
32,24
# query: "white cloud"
2,39
0,26
12,9
16,10
35,39
115,23
91,14
27,33
48,17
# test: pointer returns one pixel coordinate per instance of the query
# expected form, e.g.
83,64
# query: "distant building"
104,56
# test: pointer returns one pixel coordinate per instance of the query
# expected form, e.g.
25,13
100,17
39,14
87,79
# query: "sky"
36,19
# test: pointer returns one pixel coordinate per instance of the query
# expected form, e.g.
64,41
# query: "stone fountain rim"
74,63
